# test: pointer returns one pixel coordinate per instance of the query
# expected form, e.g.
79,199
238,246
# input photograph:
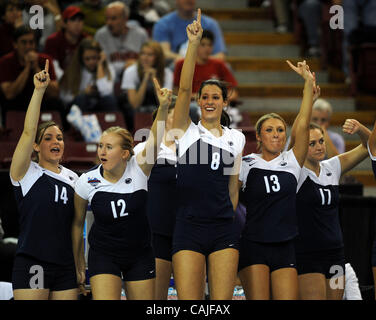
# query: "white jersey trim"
35,171
330,173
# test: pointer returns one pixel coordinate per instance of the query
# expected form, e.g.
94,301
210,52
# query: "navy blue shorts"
141,267
374,254
31,273
327,262
205,238
274,255
162,246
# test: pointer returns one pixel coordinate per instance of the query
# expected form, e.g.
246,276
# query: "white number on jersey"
323,196
63,194
215,161
275,183
120,203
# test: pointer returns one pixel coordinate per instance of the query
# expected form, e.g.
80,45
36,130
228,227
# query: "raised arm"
181,114
80,206
316,95
300,147
146,158
22,154
372,141
353,157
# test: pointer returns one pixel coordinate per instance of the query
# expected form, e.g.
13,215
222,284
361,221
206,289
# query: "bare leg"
189,273
71,294
162,280
255,280
312,286
106,287
223,266
31,294
140,290
285,284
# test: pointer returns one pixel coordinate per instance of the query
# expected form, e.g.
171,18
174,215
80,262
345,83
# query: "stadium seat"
109,119
6,153
80,155
14,122
142,120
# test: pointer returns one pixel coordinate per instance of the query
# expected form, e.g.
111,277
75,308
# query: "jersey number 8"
216,158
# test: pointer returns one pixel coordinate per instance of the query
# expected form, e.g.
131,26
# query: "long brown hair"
159,62
71,79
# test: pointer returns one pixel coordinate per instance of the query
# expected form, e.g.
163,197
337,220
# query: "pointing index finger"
156,85
199,16
46,66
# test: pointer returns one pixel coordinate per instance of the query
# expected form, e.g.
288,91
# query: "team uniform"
162,200
319,245
46,209
205,215
373,158
120,238
269,195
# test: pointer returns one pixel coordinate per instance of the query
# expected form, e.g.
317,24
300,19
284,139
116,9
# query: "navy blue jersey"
120,227
162,193
46,209
269,195
204,166
317,203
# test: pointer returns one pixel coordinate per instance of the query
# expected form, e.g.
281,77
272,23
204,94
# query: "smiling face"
110,152
51,145
211,102
272,136
317,148
147,57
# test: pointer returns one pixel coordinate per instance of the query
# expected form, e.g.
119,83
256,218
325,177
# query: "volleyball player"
207,187
319,245
161,205
120,239
269,181
44,266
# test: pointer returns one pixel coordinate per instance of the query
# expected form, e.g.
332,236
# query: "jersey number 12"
120,203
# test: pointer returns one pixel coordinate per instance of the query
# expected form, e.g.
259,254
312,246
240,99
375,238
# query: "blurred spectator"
207,68
61,45
149,10
310,13
17,70
52,20
89,80
282,15
359,25
94,15
170,30
11,18
120,40
138,78
321,113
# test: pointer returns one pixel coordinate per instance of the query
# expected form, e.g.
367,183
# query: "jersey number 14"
63,194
